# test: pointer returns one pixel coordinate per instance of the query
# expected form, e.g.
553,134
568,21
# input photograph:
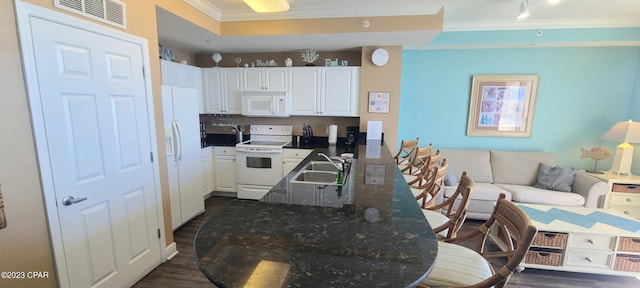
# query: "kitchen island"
368,233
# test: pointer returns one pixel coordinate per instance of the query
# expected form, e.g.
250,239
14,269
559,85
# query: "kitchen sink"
318,173
320,166
317,177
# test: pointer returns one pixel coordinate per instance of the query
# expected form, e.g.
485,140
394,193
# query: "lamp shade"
624,131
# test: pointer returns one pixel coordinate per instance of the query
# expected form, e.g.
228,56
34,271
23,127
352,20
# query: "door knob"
68,200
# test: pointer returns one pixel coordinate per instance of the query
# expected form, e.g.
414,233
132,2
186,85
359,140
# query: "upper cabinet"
265,79
314,91
180,75
324,91
222,88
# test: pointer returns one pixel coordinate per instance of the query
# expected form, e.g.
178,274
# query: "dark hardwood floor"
182,270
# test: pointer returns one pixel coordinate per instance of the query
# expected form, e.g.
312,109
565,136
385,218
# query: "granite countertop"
370,234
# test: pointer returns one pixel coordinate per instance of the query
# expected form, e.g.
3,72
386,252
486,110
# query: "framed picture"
378,102
502,105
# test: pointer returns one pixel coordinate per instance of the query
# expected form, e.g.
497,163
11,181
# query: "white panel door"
94,105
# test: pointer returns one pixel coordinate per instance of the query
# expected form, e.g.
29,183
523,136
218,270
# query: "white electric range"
259,160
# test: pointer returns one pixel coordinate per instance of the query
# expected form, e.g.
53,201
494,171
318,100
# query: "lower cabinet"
292,157
208,175
224,165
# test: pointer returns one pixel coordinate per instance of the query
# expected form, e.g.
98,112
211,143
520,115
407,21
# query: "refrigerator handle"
179,140
174,140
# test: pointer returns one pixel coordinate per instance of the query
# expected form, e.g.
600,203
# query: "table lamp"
626,132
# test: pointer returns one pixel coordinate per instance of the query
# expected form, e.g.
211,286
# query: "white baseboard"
170,251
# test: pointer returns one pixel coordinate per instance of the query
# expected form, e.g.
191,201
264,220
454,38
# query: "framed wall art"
502,105
378,102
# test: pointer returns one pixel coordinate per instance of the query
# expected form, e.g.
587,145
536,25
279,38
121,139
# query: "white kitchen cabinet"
225,168
304,88
333,92
182,75
182,139
292,157
264,79
222,90
340,86
208,176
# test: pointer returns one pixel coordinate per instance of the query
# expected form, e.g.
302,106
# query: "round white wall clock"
380,57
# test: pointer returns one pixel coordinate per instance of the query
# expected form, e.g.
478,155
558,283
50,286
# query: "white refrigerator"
182,141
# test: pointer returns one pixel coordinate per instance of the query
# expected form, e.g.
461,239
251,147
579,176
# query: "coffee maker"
352,136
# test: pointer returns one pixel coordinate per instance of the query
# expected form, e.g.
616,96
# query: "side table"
623,194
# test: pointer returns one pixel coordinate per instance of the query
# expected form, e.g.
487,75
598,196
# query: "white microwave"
265,104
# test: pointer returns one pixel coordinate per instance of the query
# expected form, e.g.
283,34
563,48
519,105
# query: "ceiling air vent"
108,11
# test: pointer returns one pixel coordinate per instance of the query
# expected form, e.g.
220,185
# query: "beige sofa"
514,173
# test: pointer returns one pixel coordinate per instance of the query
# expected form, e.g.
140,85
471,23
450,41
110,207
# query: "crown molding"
526,45
540,24
328,12
207,8
323,12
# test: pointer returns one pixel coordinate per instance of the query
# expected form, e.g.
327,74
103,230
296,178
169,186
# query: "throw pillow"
450,178
555,178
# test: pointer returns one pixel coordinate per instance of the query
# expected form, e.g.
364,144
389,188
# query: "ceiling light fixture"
268,6
524,9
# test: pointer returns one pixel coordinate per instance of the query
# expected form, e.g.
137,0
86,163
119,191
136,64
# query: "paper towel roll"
333,134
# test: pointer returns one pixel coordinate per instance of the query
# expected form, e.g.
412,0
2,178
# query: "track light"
524,9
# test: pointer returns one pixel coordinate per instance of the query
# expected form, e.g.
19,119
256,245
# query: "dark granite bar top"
368,233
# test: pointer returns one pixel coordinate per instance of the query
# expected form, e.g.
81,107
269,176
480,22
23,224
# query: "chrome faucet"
331,160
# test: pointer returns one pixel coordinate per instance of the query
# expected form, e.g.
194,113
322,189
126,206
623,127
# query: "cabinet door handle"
629,200
591,241
588,259
626,212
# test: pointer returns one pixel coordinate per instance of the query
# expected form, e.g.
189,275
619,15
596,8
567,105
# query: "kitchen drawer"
592,259
626,188
224,151
591,241
295,153
631,211
624,199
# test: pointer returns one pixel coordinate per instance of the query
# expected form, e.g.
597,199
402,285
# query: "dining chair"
407,149
446,218
418,160
428,163
429,189
458,266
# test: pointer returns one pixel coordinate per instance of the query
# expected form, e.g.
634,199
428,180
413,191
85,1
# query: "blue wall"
583,91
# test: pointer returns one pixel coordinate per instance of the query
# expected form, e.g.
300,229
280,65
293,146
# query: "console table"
578,239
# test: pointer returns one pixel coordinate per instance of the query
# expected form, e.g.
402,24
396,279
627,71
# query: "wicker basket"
543,258
550,239
626,262
629,244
